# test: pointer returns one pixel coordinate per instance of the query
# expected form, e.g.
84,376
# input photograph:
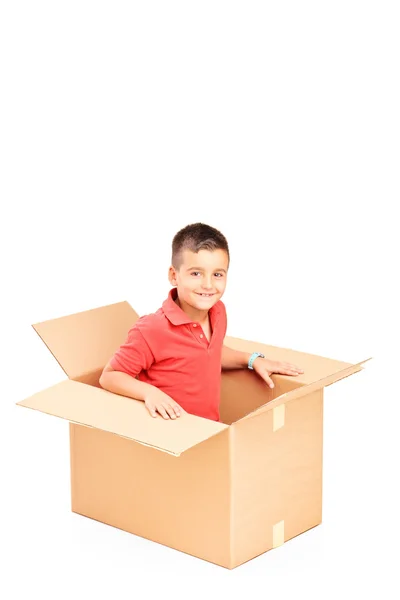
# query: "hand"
159,401
264,368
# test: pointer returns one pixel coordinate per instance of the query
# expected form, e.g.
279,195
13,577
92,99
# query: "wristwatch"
253,358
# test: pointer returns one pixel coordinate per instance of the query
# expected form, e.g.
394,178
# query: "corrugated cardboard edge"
305,389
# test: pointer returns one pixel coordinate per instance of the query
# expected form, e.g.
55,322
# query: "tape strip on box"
278,417
278,534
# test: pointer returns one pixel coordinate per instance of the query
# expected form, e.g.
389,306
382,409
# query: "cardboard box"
222,491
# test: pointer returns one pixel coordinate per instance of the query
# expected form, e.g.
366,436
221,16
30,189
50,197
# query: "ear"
172,276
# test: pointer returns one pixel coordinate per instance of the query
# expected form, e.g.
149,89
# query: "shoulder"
221,308
222,305
220,314
149,324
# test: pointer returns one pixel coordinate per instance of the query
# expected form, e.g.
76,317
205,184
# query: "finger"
152,410
288,366
177,409
269,381
287,371
170,411
162,412
296,368
284,371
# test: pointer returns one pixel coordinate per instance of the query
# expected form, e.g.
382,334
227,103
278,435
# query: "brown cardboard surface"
307,389
276,476
94,407
84,342
183,502
315,367
243,391
240,487
278,534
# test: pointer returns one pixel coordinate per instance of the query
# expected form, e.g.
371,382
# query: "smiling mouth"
205,295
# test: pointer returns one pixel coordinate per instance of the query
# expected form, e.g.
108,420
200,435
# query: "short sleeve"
134,355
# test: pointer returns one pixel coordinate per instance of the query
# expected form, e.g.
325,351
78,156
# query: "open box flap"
315,367
305,389
85,341
95,407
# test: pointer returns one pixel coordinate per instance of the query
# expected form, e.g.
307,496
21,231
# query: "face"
201,279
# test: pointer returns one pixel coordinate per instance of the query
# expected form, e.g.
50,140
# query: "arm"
234,359
154,398
124,384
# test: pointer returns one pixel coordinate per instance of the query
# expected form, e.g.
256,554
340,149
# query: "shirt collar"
175,314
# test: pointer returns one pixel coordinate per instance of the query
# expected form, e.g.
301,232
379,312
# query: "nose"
207,283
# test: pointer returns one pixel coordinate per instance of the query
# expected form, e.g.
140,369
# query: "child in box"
172,358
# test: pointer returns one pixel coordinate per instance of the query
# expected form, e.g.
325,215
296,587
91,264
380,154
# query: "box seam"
231,499
72,462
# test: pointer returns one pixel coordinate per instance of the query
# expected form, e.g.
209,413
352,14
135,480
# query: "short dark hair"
195,237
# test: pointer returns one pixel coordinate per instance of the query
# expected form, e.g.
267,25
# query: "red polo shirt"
170,351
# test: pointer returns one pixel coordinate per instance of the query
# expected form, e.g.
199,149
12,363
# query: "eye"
198,273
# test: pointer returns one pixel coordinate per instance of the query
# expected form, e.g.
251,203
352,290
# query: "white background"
277,123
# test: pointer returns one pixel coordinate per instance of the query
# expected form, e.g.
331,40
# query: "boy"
172,358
